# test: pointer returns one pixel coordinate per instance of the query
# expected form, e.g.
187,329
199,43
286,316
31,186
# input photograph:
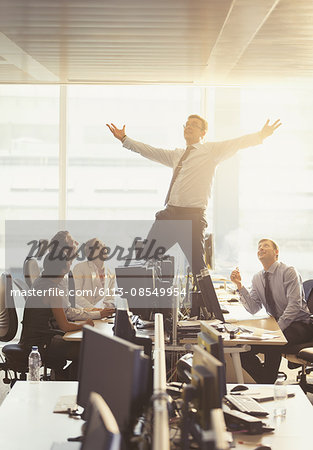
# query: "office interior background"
68,68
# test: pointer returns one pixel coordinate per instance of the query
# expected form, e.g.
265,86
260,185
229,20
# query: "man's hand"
106,312
236,278
119,134
268,129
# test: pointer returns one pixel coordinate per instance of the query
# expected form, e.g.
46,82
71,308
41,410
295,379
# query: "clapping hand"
236,278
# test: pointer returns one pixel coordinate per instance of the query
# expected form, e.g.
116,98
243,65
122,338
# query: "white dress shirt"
286,286
193,184
77,313
89,288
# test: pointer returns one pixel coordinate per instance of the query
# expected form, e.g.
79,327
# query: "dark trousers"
266,372
190,236
58,352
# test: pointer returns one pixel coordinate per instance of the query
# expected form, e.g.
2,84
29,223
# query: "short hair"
274,245
204,123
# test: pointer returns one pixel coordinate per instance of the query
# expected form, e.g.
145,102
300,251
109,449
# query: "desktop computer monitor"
211,340
124,328
216,368
102,432
209,297
147,286
118,371
205,394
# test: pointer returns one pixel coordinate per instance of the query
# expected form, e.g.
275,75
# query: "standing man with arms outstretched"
190,188
278,288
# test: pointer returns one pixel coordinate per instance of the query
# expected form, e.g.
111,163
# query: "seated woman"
45,304
94,282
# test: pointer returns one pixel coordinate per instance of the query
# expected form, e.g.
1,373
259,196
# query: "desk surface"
107,328
27,420
292,432
101,324
237,315
268,323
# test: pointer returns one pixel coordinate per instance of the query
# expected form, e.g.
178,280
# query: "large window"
106,181
264,191
29,146
275,182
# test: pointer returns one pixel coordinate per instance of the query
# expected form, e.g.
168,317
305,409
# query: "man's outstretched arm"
163,156
226,149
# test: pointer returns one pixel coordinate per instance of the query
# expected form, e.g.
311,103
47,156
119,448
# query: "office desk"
266,324
235,346
106,327
292,432
27,420
102,325
238,316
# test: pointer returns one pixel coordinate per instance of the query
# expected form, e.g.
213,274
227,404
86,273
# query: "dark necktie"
271,307
176,172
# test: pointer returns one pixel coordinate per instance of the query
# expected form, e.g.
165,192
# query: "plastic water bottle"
280,396
34,364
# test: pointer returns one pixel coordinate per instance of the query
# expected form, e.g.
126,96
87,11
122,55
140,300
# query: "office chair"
31,271
301,355
15,356
71,289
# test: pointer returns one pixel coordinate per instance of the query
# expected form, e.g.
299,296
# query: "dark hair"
55,267
204,123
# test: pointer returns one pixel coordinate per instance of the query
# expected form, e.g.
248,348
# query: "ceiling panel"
163,41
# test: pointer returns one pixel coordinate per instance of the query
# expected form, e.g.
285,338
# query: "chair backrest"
308,293
31,271
71,289
8,316
102,432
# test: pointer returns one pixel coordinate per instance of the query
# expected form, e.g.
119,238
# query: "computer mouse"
231,300
225,311
239,388
263,447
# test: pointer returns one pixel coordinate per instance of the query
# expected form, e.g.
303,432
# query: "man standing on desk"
190,187
279,289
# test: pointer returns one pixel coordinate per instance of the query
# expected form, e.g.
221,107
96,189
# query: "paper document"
256,337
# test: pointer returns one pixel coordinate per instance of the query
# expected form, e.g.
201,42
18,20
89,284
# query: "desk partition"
161,438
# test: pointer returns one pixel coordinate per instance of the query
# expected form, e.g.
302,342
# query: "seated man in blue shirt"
278,288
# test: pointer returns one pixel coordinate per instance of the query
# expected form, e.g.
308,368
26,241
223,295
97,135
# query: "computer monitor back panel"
123,326
98,437
111,367
213,345
202,358
208,344
209,297
204,383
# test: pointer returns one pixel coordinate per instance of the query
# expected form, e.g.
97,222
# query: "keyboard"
246,405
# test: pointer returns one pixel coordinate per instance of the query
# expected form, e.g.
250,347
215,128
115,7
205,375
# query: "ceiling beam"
13,54
244,20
